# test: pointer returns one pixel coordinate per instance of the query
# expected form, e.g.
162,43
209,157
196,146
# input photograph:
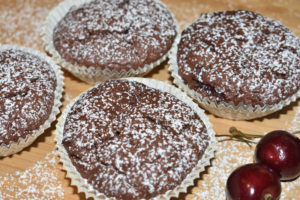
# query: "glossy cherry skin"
253,182
280,151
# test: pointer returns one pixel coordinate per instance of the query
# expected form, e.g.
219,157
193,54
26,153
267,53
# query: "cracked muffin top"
131,141
115,34
239,57
27,92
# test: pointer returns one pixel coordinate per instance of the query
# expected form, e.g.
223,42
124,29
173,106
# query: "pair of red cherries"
277,158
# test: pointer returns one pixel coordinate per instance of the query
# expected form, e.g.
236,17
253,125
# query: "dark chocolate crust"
240,57
27,92
115,34
131,141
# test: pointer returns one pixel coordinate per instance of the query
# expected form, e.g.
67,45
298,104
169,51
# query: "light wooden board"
20,23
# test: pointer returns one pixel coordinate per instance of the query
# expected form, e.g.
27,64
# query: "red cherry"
280,150
253,182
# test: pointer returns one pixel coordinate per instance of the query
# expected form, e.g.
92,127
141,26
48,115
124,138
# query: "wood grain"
288,12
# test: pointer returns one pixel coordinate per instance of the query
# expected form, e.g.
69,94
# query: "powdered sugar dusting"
226,160
240,57
115,34
37,183
132,141
21,21
27,86
186,16
294,125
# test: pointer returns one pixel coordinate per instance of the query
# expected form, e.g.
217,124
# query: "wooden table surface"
21,22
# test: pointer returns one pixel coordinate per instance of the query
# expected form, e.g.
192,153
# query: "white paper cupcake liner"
90,75
223,109
83,185
14,147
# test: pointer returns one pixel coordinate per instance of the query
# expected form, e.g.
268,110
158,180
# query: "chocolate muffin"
111,38
30,92
128,140
239,58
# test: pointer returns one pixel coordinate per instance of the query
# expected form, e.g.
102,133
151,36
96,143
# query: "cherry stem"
238,135
268,197
296,132
235,131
